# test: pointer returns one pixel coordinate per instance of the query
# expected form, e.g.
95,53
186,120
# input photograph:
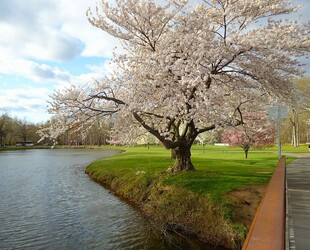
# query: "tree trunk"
182,160
173,157
246,153
295,133
246,150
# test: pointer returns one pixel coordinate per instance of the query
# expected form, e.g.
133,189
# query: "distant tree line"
97,135
296,128
15,131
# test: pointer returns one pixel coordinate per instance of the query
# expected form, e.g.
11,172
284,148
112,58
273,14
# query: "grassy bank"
195,202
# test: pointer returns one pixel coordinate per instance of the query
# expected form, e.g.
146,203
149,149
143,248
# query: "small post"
279,135
278,112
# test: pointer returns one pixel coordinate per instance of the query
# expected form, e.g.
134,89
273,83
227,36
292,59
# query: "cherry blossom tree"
256,131
186,69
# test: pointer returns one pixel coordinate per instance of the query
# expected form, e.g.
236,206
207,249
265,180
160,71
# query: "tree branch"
167,143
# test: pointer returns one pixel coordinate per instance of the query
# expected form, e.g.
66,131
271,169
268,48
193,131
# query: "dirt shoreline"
247,200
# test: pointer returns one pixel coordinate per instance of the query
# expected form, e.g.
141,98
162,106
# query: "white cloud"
98,72
26,102
51,30
37,31
32,70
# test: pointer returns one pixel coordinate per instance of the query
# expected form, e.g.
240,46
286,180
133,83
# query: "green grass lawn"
303,148
219,169
197,201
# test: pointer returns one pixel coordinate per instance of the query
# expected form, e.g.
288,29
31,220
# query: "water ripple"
47,202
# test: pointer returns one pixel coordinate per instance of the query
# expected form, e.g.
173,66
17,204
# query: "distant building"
22,143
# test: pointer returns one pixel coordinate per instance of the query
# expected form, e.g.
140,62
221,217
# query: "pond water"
48,202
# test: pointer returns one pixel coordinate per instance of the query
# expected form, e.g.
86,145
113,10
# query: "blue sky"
49,44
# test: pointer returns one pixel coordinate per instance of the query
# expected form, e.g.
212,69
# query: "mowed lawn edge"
195,203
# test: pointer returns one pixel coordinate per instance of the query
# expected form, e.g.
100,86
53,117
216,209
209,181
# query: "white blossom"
186,69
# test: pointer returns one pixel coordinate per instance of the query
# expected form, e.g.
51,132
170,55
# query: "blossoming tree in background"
186,69
256,131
